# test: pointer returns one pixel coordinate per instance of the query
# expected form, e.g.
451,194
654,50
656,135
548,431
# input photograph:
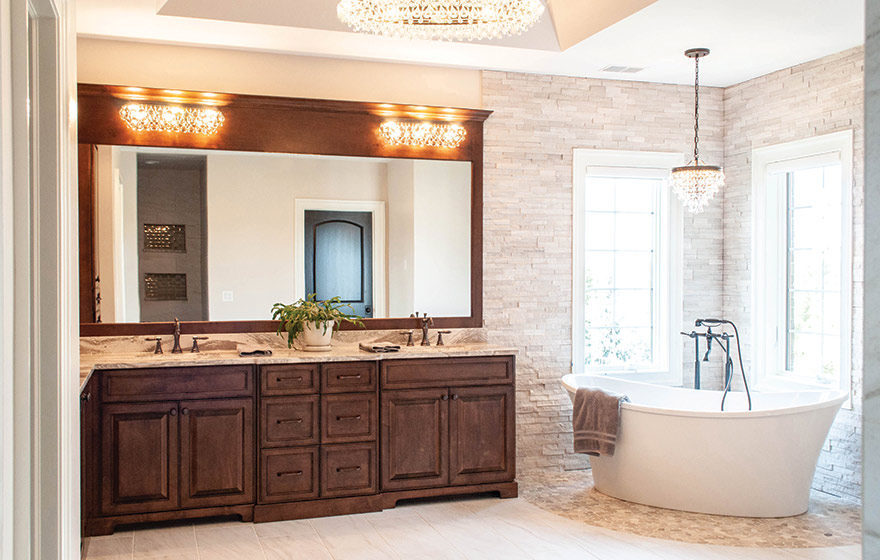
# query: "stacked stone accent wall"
811,99
537,123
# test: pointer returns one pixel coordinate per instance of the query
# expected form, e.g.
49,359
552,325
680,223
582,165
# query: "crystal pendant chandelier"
696,183
440,19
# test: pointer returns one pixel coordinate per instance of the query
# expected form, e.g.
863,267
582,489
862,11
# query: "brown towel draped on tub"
596,419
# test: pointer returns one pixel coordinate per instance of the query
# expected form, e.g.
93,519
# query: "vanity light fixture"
422,134
696,183
142,117
440,19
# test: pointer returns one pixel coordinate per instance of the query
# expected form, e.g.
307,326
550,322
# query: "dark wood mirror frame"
268,124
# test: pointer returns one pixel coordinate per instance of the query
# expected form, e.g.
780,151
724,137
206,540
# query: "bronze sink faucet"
426,321
176,349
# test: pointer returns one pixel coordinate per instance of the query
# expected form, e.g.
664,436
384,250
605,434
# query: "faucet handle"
195,346
409,338
440,337
158,342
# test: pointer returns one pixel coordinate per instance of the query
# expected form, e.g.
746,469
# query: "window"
804,261
627,265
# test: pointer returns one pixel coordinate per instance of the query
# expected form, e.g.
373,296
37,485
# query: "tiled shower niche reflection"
164,287
166,238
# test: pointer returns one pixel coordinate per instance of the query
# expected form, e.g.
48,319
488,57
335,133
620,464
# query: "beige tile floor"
464,529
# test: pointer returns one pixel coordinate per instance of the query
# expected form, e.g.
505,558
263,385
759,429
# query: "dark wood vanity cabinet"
286,441
450,435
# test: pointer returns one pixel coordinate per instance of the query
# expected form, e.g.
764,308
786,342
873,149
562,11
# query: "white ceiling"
748,38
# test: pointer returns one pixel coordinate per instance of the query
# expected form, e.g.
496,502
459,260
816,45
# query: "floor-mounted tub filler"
677,450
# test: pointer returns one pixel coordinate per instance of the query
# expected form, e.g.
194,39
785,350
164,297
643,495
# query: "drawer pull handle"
291,473
355,417
289,421
348,469
282,379
350,376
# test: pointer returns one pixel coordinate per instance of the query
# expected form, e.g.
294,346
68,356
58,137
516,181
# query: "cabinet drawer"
288,421
349,418
288,474
348,469
289,379
157,384
447,372
348,377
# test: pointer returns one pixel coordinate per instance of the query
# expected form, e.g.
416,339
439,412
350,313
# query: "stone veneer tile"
537,122
811,99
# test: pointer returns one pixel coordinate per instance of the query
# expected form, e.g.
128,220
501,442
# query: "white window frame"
669,304
768,301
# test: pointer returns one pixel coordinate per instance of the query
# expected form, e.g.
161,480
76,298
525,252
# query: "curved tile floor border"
829,522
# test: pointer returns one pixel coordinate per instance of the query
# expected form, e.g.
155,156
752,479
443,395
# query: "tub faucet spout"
708,344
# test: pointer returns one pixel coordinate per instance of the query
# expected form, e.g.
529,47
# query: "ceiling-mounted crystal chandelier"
696,183
440,19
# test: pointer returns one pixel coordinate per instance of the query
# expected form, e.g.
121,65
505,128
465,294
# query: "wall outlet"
227,295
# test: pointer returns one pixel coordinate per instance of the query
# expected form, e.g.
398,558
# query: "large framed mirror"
289,197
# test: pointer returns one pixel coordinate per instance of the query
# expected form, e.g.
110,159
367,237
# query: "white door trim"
39,341
380,267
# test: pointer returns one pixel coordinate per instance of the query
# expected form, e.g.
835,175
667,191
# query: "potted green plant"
314,320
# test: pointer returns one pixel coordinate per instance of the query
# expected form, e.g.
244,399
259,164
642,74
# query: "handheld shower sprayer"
723,339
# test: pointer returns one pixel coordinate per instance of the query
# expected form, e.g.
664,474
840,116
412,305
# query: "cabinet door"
216,452
139,458
481,435
415,439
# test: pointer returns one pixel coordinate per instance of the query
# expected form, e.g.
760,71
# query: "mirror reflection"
221,236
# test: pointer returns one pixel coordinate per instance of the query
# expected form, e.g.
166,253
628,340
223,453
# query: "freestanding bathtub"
677,450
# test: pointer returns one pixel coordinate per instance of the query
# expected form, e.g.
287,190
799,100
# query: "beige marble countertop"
89,362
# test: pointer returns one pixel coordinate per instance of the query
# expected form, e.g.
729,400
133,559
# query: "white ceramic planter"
315,338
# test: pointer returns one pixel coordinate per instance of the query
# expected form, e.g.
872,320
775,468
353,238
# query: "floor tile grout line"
259,542
320,538
491,529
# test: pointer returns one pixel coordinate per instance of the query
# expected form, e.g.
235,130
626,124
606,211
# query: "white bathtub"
677,450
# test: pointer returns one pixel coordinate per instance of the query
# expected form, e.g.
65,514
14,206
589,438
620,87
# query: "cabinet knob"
455,397
173,412
445,397
184,411
85,397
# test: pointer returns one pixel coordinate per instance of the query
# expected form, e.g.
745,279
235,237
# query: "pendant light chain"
697,111
696,183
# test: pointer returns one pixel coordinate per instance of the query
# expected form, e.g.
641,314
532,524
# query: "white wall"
429,238
251,222
116,250
104,231
260,73
401,231
129,274
442,238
